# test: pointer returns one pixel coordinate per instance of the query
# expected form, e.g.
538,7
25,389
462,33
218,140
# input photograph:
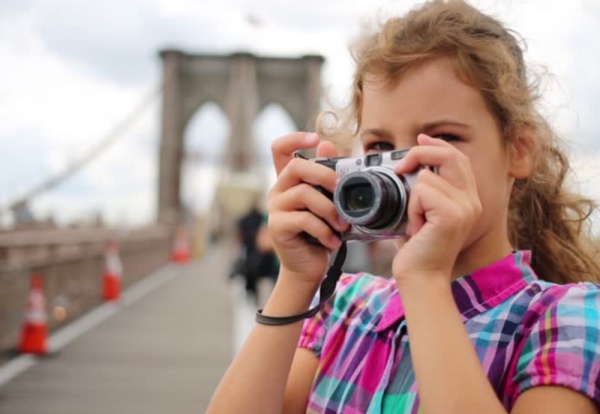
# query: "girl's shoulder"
558,341
566,306
576,299
540,303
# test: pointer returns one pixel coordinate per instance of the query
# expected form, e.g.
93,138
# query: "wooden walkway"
164,353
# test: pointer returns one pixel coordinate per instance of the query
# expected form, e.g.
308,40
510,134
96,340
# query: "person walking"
249,258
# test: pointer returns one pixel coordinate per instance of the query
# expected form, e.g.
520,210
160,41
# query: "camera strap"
326,291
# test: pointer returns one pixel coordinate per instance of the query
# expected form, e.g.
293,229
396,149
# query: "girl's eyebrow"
443,122
378,132
427,126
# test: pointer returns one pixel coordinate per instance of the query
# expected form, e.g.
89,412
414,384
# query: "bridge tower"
242,84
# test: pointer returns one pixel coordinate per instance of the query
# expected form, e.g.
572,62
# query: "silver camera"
370,196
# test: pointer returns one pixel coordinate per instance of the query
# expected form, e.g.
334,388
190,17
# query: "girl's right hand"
295,207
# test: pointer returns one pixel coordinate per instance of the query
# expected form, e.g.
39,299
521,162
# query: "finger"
415,212
326,149
291,224
306,197
438,182
300,171
424,139
429,205
283,148
450,162
466,197
423,156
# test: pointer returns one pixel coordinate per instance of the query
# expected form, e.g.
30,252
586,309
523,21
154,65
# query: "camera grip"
330,163
313,240
310,239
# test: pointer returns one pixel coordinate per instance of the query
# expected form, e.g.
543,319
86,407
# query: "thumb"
326,149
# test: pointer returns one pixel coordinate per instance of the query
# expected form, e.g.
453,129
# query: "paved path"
165,353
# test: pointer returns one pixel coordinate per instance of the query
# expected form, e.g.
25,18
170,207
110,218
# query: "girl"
482,314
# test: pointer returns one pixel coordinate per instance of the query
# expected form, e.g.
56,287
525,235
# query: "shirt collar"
479,291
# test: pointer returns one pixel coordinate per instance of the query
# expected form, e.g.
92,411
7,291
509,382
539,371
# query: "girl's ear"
522,151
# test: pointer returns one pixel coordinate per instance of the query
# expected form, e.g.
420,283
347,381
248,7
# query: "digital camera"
370,196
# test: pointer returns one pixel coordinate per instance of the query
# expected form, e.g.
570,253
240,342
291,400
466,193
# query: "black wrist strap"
326,291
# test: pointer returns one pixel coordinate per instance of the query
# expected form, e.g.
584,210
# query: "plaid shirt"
526,332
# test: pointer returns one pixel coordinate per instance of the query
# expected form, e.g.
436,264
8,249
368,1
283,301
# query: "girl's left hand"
442,210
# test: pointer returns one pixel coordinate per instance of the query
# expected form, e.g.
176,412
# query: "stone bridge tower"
242,84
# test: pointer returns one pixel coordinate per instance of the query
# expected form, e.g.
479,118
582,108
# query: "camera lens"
359,196
369,199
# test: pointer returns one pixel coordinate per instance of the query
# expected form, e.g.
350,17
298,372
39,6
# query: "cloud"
121,184
562,37
22,160
110,40
11,8
77,68
120,40
330,16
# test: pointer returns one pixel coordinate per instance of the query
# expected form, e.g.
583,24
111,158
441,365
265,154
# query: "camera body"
370,196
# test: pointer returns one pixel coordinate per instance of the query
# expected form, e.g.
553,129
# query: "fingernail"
342,222
311,138
400,164
336,241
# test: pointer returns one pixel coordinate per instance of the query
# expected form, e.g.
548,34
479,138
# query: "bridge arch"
242,84
273,121
204,147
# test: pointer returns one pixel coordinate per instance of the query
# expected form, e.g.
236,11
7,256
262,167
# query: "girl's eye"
379,146
447,137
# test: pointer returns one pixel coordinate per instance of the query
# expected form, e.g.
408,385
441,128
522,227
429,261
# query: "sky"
72,69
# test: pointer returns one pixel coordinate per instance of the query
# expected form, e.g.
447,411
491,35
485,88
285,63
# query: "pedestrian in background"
249,258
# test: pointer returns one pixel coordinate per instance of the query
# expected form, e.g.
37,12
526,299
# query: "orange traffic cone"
181,248
112,272
35,331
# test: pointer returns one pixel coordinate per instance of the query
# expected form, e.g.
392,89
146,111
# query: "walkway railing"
71,263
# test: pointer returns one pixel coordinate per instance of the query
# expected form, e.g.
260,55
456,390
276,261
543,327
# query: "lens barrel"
371,199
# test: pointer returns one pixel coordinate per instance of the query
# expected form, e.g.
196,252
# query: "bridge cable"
113,136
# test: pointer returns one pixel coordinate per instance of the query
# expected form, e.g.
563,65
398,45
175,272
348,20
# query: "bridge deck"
164,353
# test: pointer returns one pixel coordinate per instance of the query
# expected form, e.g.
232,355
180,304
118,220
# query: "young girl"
483,314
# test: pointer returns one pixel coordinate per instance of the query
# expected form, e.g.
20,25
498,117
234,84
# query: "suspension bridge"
165,342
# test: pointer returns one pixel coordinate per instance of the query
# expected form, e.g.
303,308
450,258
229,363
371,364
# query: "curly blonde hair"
544,216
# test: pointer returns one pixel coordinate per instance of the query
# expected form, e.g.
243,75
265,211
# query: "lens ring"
347,192
376,220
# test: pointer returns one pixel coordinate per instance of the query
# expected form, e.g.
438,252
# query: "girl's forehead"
429,90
